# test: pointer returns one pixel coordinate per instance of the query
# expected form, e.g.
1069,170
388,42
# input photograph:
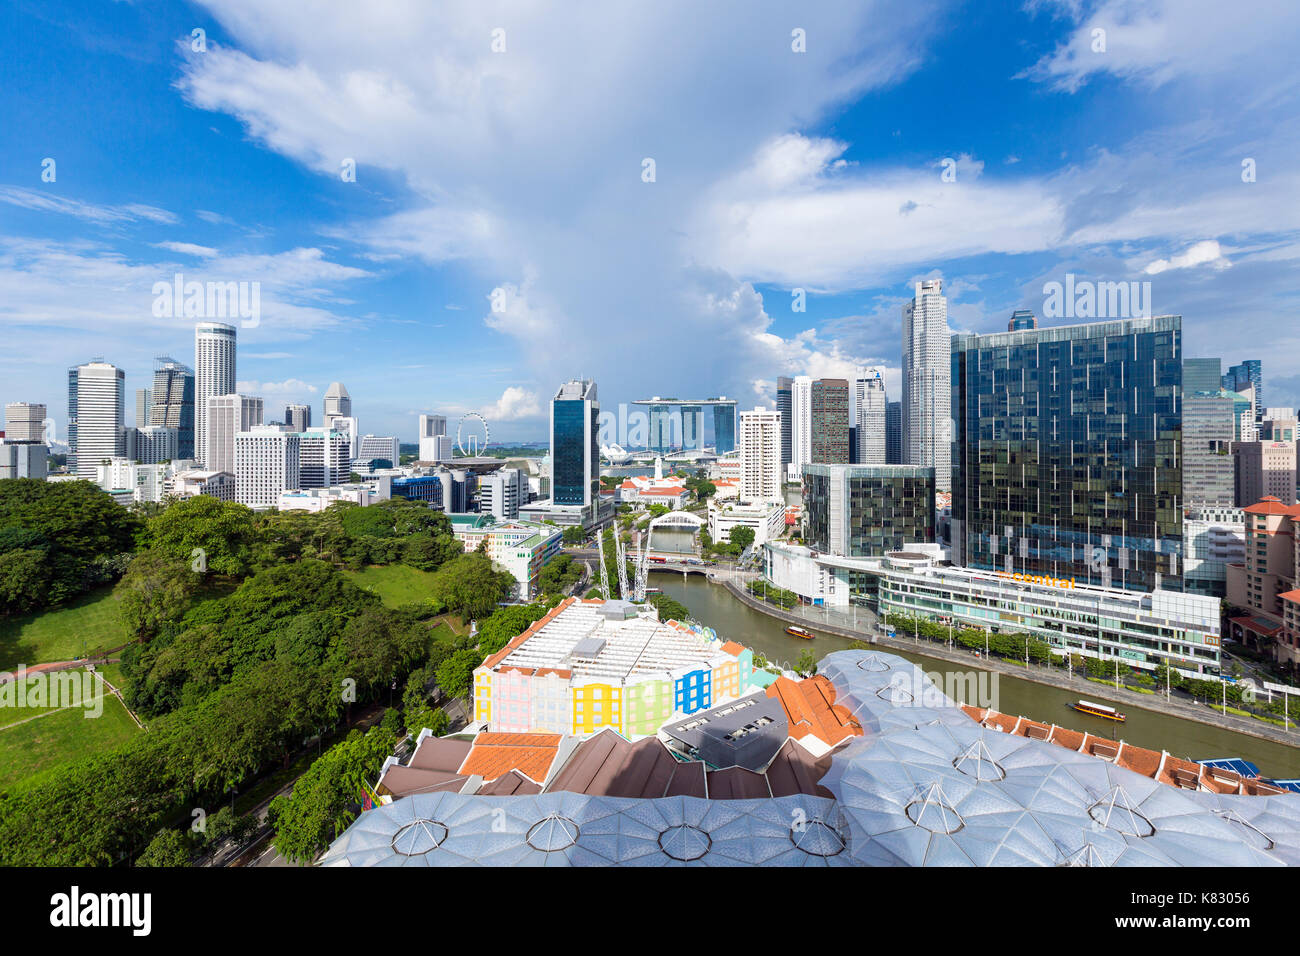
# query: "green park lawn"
28,750
396,584
90,621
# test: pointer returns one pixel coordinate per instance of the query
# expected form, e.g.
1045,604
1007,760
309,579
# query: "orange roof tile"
495,754
732,648
1271,505
810,709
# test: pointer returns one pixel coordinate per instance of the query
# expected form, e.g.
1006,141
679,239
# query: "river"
713,605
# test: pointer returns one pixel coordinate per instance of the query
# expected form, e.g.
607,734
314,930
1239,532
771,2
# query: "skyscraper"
927,390
785,407
1202,375
267,463
24,422
893,433
435,443
760,455
214,365
1069,452
830,421
96,395
143,401
800,422
1208,434
338,403
325,458
227,417
1249,374
297,417
575,447
173,402
869,417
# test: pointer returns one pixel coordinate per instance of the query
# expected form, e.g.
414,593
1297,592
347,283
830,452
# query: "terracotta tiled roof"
732,648
496,754
810,708
1270,505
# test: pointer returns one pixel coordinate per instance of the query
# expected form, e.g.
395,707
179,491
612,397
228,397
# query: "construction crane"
604,571
642,567
620,555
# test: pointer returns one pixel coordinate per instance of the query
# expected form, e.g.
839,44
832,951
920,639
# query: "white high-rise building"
435,443
96,395
801,424
143,407
386,447
869,416
227,417
501,493
24,422
927,376
267,463
760,455
214,374
338,403
326,458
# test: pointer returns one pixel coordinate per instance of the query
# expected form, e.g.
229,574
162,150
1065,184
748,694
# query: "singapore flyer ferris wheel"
477,445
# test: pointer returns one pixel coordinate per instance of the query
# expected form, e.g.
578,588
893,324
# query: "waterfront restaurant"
1144,629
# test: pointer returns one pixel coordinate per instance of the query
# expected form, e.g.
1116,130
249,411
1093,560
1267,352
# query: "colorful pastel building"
590,665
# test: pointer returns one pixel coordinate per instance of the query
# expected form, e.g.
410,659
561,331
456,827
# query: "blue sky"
521,171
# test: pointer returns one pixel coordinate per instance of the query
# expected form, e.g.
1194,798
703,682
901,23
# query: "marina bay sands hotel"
678,424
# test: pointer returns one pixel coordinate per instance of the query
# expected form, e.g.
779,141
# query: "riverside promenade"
841,624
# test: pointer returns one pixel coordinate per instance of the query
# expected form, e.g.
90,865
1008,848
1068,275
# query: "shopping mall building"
1145,629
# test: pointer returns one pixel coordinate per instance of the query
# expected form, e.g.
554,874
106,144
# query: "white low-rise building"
318,499
767,520
215,484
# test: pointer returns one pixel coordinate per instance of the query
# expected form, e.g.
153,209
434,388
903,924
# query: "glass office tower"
575,445
724,426
865,511
1067,453
173,401
785,406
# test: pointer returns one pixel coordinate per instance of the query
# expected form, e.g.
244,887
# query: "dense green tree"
806,666
206,533
168,848
741,536
574,534
325,798
456,673
470,586
669,609
156,590
79,533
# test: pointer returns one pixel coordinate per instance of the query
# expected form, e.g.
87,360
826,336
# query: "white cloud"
1201,253
514,404
92,212
291,386
188,249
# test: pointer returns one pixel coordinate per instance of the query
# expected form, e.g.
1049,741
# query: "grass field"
63,634
396,584
28,750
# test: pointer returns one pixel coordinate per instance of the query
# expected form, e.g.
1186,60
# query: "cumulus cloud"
1201,253
514,404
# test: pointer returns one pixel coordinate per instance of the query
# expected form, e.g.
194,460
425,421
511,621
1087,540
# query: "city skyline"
1136,171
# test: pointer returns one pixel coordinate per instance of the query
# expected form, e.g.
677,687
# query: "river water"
713,605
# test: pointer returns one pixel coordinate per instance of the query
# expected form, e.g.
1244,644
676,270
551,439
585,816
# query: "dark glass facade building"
1067,452
894,433
785,405
173,401
867,510
575,445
